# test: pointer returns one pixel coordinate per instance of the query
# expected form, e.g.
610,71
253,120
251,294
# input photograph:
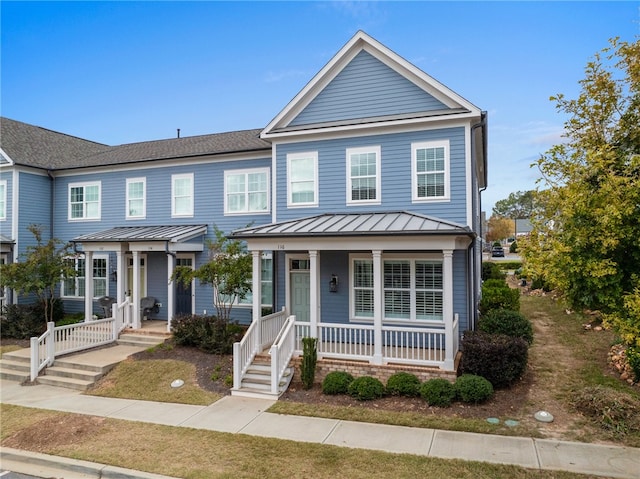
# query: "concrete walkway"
248,416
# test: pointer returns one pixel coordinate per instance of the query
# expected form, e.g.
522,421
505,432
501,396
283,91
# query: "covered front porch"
373,288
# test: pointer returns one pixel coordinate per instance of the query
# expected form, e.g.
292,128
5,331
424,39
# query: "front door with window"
183,292
299,284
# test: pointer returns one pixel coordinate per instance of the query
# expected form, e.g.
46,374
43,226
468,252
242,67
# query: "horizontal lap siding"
396,175
461,289
365,88
35,198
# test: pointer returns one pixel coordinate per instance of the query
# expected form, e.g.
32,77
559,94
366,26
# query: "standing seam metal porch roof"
349,224
131,234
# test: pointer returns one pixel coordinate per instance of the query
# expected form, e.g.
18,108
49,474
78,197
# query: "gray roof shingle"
31,145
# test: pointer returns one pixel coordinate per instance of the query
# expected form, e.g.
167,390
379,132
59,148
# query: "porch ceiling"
132,234
356,224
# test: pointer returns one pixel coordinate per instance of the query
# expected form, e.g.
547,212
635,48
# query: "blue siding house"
362,196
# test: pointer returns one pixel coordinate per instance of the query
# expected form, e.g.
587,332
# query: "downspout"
170,304
52,198
475,294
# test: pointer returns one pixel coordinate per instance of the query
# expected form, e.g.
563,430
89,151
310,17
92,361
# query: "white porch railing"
261,333
59,340
403,345
281,353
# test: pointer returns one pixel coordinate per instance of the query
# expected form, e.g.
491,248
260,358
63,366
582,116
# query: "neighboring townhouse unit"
359,201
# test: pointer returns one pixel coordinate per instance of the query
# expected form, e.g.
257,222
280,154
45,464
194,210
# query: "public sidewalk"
248,416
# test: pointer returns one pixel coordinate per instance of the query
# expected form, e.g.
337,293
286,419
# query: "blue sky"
122,72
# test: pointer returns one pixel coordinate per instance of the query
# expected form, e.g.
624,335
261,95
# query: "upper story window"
182,195
363,170
136,198
246,191
75,287
84,201
3,199
302,179
430,170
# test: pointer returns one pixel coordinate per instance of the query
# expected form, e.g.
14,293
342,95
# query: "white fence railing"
281,353
404,345
261,333
59,340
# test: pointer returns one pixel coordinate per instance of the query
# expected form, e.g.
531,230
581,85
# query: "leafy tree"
517,205
40,270
586,239
499,228
228,271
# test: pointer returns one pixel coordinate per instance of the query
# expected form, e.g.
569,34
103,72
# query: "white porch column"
171,290
256,290
314,293
137,319
377,307
88,285
120,272
447,308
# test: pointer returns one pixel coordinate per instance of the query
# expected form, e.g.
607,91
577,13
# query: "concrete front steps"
81,370
256,382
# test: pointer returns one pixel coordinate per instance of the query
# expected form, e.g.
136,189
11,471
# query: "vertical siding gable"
365,88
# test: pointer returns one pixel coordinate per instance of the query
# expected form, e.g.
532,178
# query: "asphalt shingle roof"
42,148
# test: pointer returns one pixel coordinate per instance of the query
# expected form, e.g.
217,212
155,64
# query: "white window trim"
414,171
106,278
246,173
142,180
3,199
85,185
316,190
366,149
173,202
412,258
266,255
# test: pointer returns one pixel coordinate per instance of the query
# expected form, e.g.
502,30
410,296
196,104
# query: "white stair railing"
281,353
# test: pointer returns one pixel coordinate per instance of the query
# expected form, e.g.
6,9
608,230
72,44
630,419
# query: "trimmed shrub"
336,382
366,388
633,358
403,384
614,411
499,298
473,389
498,358
21,321
504,321
308,365
438,392
513,247
491,270
495,283
207,333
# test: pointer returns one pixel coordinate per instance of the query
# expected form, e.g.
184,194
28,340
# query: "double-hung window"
84,201
3,199
266,283
136,198
302,179
246,191
430,170
182,195
75,287
363,175
412,289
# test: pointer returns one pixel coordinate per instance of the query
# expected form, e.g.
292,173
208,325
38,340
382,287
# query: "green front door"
300,304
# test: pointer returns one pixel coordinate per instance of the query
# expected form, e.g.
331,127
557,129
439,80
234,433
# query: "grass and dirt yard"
564,361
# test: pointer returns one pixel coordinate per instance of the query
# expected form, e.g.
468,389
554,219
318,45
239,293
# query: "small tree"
228,271
40,270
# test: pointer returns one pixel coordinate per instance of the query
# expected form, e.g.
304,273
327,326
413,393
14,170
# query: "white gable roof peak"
358,43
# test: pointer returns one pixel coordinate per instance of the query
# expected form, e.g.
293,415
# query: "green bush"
499,298
403,384
495,283
491,270
513,247
308,365
499,358
58,310
207,333
366,388
614,411
438,392
633,358
336,382
504,321
473,389
21,321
